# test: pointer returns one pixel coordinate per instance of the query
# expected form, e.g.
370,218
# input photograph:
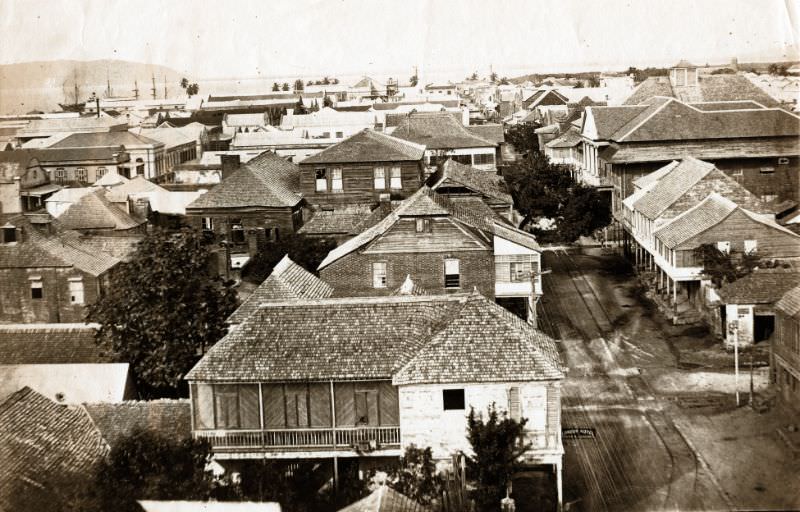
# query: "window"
139,166
750,246
724,247
737,172
321,180
9,234
75,290
451,273
783,161
379,274
60,175
339,135
396,181
453,399
483,159
326,135
423,225
768,196
520,271
462,159
207,223
36,288
514,404
35,174
237,231
379,175
101,171
366,402
767,170
336,179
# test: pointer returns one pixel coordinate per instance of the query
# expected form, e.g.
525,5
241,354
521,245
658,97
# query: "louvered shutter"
514,409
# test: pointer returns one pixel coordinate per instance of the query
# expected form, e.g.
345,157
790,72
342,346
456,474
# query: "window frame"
457,395
237,231
77,296
36,283
376,265
396,178
321,183
337,179
750,246
448,277
379,177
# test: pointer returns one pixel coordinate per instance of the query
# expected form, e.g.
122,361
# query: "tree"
163,308
523,137
335,81
772,69
414,80
299,107
306,251
593,81
504,81
493,77
285,86
275,87
724,267
298,85
184,83
723,71
192,90
147,466
326,80
416,476
327,101
473,76
497,443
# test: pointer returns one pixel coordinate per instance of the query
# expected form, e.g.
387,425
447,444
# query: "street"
651,392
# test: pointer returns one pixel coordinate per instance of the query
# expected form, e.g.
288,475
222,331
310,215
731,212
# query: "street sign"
578,433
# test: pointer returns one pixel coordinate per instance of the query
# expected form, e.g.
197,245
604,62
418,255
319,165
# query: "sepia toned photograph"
399,256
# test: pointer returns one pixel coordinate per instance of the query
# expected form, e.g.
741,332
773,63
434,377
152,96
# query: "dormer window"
9,234
423,225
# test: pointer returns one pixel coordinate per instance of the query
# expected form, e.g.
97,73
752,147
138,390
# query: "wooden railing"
346,438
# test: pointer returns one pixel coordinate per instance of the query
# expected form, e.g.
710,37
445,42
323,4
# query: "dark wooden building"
785,347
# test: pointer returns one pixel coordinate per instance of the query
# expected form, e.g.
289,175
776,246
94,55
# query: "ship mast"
136,89
153,89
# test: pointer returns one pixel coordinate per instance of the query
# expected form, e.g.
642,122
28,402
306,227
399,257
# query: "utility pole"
136,89
735,328
165,86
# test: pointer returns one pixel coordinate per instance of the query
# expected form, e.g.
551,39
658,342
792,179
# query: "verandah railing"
344,437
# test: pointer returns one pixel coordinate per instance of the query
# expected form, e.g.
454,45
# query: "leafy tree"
285,86
414,80
299,107
523,137
298,85
192,89
327,101
724,267
326,80
504,81
335,81
184,83
162,309
146,465
306,251
772,69
723,71
275,87
497,443
473,76
593,81
416,476
493,77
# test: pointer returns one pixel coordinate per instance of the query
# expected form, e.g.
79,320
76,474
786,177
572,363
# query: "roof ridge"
387,299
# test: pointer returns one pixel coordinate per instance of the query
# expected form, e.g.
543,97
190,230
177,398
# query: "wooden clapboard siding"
444,235
344,396
389,404
296,398
249,413
358,182
274,406
320,400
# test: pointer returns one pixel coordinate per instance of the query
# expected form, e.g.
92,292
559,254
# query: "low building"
96,214
363,168
447,245
444,137
328,123
258,201
44,128
364,378
24,183
785,349
566,149
455,180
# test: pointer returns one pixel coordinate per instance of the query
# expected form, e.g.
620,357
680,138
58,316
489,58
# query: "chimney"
230,163
97,103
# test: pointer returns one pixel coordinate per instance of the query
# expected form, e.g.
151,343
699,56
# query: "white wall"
425,423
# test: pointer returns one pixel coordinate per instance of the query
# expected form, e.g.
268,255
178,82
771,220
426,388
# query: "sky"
307,38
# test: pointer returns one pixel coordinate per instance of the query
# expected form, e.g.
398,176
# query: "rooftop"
104,140
50,344
488,184
169,418
438,130
790,302
95,211
762,286
708,88
369,146
413,339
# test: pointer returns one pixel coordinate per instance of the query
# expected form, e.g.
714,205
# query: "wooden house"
256,202
24,182
447,244
785,349
364,378
754,145
453,179
363,168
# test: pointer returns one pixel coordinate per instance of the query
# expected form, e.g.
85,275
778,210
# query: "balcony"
352,439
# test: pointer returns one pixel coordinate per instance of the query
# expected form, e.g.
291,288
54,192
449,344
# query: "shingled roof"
762,286
426,202
369,146
42,442
438,130
267,180
382,338
708,88
385,499
50,344
709,212
168,418
288,281
488,184
95,211
790,302
105,139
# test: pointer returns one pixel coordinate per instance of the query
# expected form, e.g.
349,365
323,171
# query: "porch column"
559,486
675,296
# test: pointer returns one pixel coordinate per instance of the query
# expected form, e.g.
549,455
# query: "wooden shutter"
389,404
203,399
514,404
345,405
274,406
248,406
297,405
320,399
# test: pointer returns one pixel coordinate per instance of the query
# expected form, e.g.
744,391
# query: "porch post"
559,486
675,296
333,430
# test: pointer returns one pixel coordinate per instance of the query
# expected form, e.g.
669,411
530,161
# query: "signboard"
578,433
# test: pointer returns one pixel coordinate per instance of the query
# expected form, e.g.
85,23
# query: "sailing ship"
75,106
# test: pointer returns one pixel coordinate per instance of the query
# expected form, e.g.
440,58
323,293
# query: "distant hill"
42,85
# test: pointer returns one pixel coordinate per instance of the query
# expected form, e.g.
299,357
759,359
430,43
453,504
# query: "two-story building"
445,137
785,349
363,168
24,182
256,202
446,245
455,180
756,146
363,378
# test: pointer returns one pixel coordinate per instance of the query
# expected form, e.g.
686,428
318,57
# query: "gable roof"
790,303
136,185
708,88
762,286
169,418
50,344
17,162
438,130
486,183
369,146
267,180
568,139
288,281
608,120
385,499
105,139
490,131
540,95
375,338
43,442
426,202
704,215
95,211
